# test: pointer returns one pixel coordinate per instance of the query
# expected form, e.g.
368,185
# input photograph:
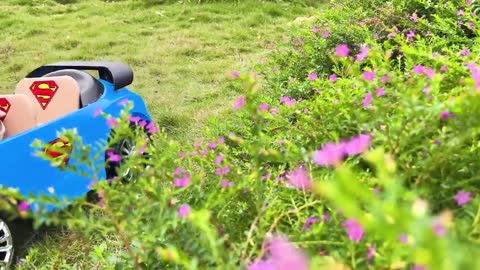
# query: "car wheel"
6,245
126,148
14,235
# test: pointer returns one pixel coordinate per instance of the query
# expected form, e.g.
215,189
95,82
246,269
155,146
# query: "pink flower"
444,114
123,102
418,69
235,74
330,154
288,101
218,160
460,12
262,265
299,178
368,75
410,35
403,238
385,79
221,140
371,252
342,50
184,181
380,91
112,157
239,103
97,112
184,210
312,76
222,171
471,25
475,73
443,68
357,145
325,217
23,206
427,89
333,78
134,119
465,52
325,35
91,184
354,230
362,55
413,17
224,183
142,149
438,228
429,72
212,145
462,197
285,256
112,122
367,100
418,267
274,110
263,107
152,128
314,29
309,222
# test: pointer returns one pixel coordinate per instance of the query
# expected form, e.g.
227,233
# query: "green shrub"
352,22
375,169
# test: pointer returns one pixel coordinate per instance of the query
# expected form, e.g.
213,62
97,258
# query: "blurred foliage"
216,203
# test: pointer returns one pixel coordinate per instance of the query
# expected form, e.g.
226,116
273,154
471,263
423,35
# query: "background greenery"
244,169
180,52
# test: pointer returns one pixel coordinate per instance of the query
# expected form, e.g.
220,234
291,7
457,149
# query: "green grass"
181,55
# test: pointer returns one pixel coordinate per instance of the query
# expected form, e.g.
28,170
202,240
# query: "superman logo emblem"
4,106
44,92
60,150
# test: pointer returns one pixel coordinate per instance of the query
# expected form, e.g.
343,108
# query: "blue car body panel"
30,174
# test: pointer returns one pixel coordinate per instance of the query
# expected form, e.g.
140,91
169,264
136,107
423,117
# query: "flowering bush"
351,23
369,160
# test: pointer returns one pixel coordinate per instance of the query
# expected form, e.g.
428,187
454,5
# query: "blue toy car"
52,98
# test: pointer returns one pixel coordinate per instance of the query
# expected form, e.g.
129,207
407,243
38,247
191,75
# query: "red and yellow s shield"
63,149
44,92
4,106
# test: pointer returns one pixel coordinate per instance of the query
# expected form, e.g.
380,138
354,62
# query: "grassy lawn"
181,55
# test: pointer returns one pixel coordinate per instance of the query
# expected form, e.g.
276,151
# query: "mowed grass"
181,53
